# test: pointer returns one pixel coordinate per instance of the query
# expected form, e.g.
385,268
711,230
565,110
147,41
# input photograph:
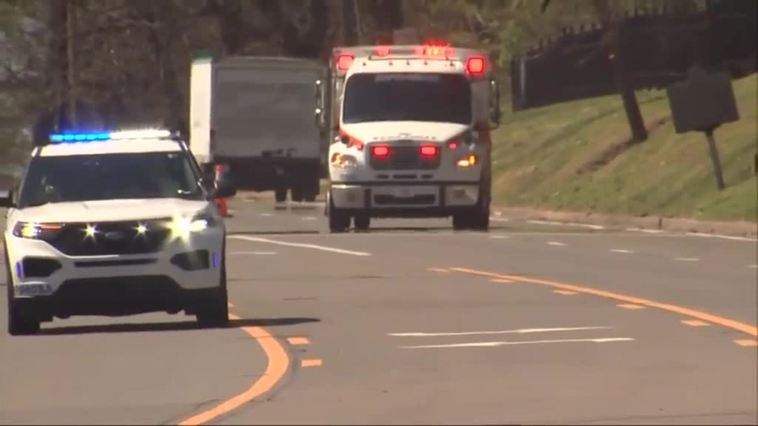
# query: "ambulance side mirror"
494,107
319,116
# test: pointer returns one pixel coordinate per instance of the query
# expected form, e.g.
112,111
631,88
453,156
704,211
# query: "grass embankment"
573,157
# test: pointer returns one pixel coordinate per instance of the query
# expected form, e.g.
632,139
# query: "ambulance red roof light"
382,51
344,60
476,65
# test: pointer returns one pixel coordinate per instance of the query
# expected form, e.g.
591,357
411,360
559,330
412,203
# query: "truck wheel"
339,220
18,324
362,222
280,194
214,312
297,194
461,221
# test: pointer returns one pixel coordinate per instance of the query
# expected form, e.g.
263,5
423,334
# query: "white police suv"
114,224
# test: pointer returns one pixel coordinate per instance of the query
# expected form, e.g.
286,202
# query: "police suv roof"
125,142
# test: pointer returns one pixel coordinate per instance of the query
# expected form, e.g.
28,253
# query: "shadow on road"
170,326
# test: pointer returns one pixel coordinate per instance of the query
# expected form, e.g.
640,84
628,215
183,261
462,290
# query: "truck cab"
409,130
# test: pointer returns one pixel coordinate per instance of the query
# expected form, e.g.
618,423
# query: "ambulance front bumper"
442,197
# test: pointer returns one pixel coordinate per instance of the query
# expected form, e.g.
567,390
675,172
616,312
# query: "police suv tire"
362,222
339,220
18,324
215,312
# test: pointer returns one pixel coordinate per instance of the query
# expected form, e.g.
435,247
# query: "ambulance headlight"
343,161
467,161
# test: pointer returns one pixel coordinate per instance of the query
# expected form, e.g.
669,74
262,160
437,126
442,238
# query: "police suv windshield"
109,176
407,97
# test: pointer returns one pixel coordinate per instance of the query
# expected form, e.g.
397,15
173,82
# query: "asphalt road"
414,323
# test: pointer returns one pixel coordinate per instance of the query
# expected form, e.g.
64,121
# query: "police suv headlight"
36,231
182,227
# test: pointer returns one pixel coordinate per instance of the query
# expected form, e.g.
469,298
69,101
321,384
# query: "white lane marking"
622,251
575,224
499,219
647,231
267,214
527,342
259,253
688,259
309,218
556,243
753,266
724,237
499,237
300,245
517,331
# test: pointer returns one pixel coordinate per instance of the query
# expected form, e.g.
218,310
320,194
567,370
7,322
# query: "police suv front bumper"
51,283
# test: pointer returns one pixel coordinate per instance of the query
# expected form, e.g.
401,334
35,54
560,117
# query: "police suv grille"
404,157
111,238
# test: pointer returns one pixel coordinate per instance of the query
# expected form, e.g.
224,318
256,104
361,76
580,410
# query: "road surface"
414,323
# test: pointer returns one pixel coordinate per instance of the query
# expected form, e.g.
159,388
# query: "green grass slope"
560,158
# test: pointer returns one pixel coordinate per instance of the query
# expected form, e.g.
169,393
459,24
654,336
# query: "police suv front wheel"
19,324
214,311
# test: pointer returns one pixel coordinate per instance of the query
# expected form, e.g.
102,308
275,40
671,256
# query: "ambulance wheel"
339,220
362,222
280,194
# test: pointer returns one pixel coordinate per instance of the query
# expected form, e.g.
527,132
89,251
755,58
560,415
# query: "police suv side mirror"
6,198
225,188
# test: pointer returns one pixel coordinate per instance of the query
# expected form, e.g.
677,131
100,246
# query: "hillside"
575,157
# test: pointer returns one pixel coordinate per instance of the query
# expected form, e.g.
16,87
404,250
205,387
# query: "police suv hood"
377,131
111,210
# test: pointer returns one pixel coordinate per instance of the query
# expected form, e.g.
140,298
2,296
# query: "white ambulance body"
409,134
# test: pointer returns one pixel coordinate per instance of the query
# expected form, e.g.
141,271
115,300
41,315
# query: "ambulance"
410,134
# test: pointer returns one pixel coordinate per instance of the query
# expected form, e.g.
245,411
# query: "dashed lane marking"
502,281
742,327
298,341
723,237
753,266
556,244
565,292
647,231
278,364
574,224
696,323
499,237
746,342
440,270
630,306
257,253
624,251
311,363
516,331
300,245
527,342
687,259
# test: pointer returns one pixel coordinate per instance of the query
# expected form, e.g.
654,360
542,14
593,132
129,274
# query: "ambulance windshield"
407,97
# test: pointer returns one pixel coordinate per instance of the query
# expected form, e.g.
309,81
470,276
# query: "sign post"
702,103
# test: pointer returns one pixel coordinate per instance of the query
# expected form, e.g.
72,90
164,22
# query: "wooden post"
714,154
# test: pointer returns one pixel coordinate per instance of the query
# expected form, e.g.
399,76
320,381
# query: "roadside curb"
673,224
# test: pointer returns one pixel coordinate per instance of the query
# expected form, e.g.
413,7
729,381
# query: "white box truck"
254,116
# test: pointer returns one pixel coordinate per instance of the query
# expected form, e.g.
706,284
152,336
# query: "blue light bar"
107,136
